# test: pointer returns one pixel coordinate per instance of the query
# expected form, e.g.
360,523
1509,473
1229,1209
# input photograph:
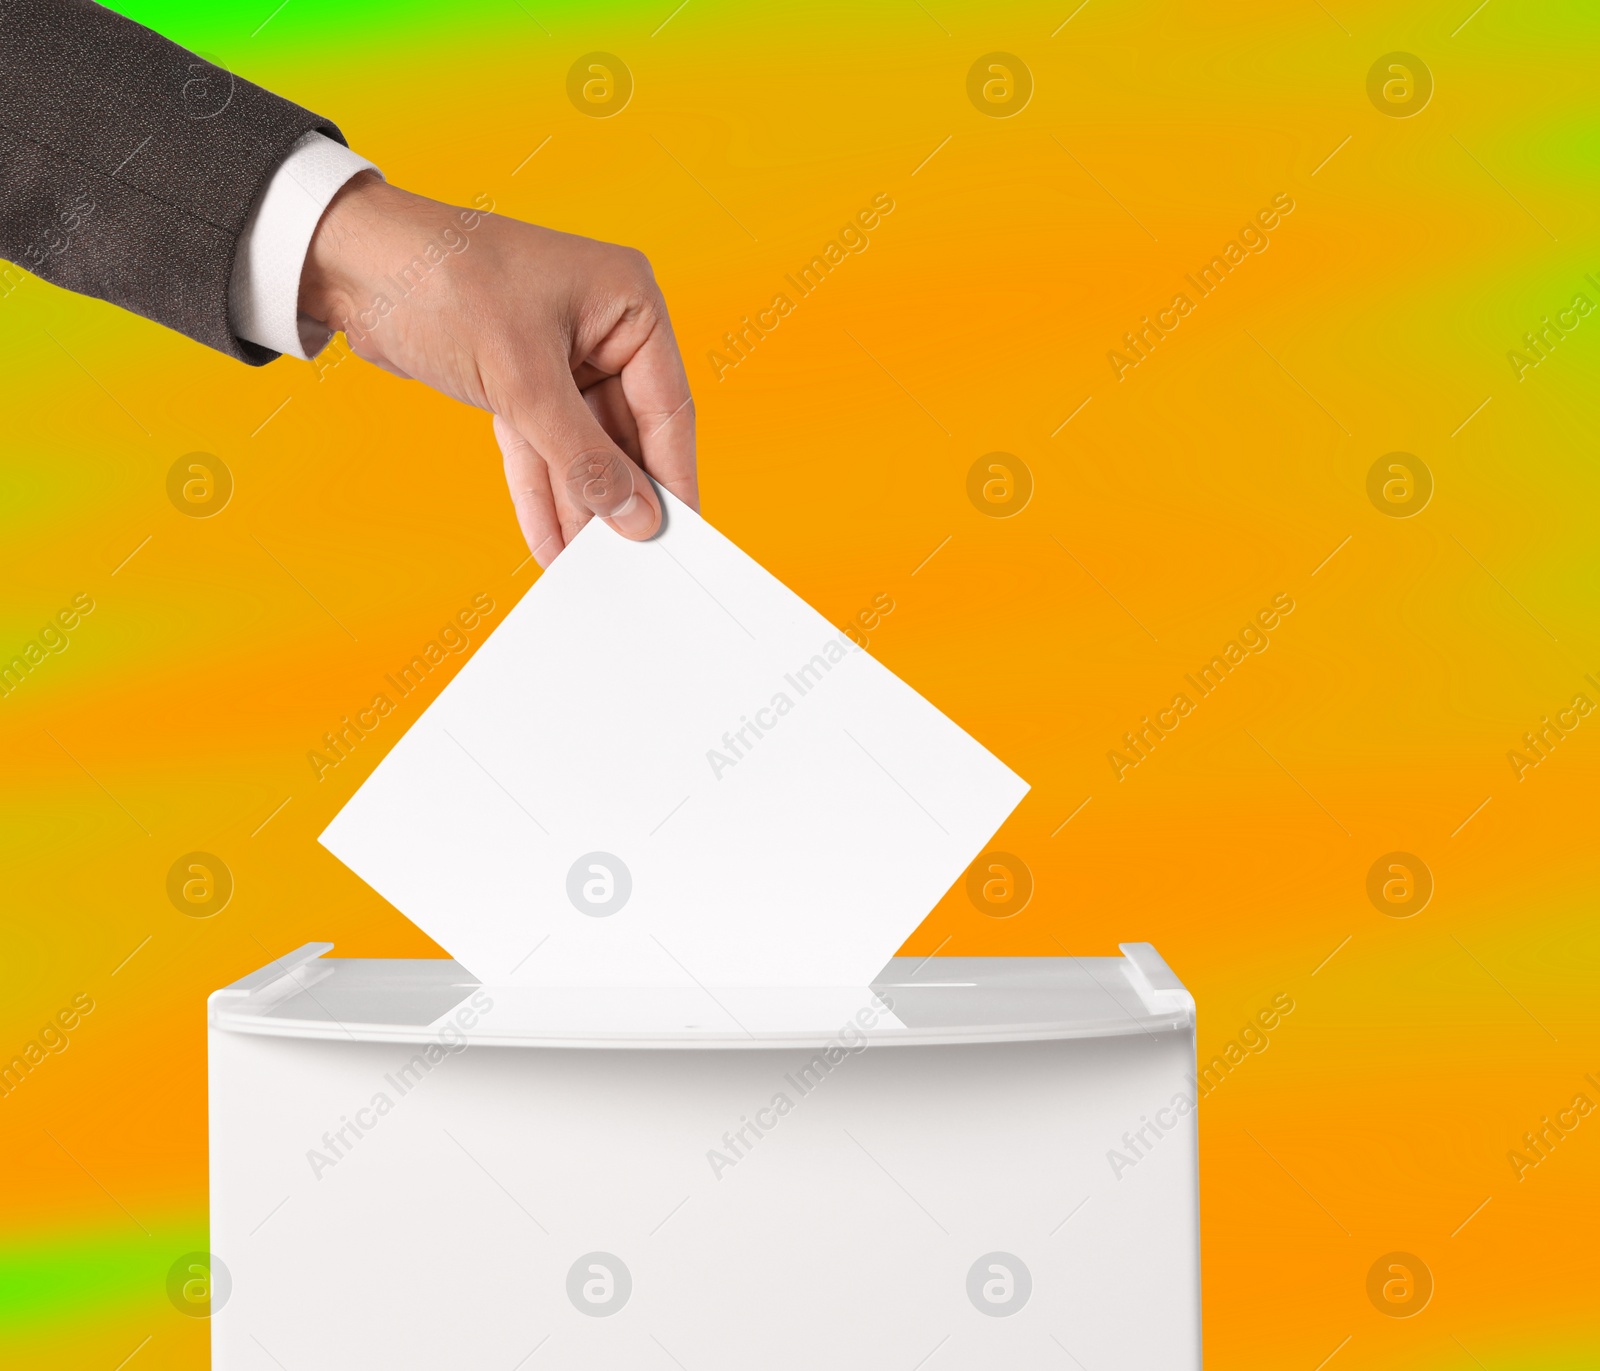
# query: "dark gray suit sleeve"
128,166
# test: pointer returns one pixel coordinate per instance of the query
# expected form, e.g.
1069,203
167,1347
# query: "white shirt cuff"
264,293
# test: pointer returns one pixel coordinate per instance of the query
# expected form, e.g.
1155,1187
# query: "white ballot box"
976,1163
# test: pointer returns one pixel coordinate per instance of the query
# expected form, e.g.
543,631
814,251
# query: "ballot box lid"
913,1001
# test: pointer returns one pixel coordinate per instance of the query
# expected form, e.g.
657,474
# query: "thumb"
593,472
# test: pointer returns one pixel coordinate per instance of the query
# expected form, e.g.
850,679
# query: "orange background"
1167,508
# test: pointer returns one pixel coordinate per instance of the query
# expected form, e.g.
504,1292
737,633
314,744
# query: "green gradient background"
1171,507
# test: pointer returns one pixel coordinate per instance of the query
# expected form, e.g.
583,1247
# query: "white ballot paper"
664,768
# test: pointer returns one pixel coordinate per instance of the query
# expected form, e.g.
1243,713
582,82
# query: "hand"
565,340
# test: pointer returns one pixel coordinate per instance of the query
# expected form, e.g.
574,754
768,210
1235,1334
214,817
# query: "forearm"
128,166
133,171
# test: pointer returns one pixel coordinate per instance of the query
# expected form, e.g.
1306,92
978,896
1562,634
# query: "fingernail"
636,519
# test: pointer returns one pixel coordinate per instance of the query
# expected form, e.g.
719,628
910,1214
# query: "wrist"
340,266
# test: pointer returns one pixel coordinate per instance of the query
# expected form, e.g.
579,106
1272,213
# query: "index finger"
657,391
